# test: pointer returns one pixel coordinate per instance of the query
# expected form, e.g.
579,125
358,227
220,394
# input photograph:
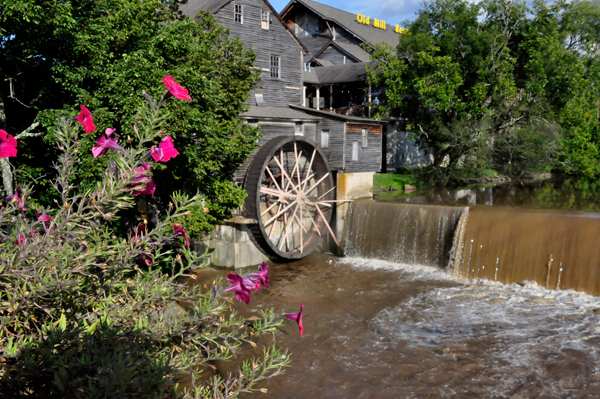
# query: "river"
376,329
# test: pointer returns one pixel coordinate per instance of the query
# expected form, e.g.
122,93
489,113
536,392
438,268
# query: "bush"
89,313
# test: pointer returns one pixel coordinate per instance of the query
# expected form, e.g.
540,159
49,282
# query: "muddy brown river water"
376,329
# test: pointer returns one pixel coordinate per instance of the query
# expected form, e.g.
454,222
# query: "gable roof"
346,20
353,51
192,7
344,73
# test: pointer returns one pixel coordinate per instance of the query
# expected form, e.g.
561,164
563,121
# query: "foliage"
57,55
384,181
498,85
87,314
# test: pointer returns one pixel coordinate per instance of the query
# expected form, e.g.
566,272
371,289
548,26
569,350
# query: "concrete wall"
350,186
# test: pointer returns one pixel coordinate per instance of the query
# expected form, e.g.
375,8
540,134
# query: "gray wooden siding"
335,152
310,132
287,89
369,159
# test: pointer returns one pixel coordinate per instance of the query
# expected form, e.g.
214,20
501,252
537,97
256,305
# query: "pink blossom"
252,283
139,174
165,150
44,218
87,120
175,89
262,275
105,143
242,292
8,145
297,318
180,232
15,198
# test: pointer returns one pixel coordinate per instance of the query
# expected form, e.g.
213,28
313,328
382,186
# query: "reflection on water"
549,194
387,330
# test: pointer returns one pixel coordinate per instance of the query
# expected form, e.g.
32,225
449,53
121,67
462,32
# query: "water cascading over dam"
556,249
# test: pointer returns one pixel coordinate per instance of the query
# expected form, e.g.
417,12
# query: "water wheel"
291,195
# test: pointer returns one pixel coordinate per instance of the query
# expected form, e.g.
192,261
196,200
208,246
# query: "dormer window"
239,13
265,19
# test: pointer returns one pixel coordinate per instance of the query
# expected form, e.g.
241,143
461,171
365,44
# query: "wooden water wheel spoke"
291,194
273,178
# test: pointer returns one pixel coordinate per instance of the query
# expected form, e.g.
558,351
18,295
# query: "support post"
318,97
304,96
369,101
331,97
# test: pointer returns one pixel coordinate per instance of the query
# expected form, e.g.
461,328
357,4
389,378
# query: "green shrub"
87,313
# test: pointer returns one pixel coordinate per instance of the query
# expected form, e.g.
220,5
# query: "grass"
383,181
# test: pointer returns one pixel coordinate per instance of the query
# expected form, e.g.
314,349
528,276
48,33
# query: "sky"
391,11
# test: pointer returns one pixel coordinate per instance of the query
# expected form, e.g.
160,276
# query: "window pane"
325,138
355,151
238,13
274,66
365,138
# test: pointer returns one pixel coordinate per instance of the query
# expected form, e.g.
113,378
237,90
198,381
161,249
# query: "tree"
497,85
57,55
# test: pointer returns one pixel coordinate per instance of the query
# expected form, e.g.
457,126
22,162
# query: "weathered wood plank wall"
287,89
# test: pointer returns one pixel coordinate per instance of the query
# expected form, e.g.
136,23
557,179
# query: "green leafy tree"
57,55
497,85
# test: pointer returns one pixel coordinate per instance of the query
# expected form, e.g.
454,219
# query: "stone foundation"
230,245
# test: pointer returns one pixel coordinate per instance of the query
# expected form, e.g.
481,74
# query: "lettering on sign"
400,30
377,23
363,20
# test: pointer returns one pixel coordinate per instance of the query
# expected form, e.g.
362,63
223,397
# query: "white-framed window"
275,66
365,138
238,13
355,150
307,67
299,130
265,19
324,138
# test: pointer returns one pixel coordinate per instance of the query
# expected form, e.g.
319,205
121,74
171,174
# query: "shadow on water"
388,330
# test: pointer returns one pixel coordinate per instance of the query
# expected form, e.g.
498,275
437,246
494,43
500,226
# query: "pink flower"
252,283
262,275
138,174
242,293
105,143
165,150
87,120
180,232
8,145
175,89
44,218
15,198
297,318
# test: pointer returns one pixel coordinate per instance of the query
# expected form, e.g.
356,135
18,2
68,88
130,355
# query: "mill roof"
366,33
337,73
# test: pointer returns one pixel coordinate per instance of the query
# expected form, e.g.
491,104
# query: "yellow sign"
377,23
400,30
